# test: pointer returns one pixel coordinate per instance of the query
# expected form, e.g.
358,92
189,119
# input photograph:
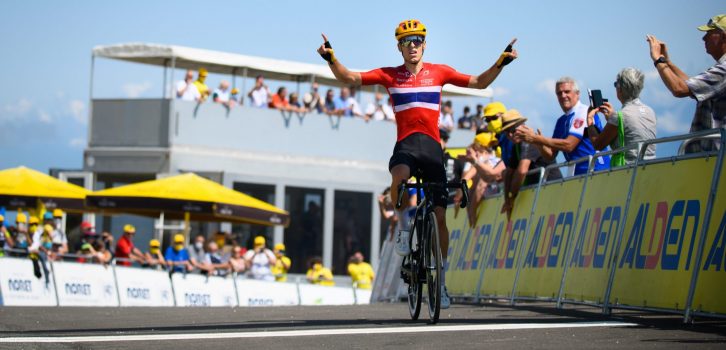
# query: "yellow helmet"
154,243
410,27
57,213
279,246
486,139
21,218
202,72
34,220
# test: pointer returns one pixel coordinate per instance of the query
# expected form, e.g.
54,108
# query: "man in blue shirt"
176,256
569,133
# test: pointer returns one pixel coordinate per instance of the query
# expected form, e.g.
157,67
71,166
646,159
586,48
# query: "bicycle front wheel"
432,262
415,289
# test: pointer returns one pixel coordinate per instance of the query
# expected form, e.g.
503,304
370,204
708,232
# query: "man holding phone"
569,133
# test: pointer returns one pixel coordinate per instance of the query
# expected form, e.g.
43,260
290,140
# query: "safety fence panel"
266,293
657,251
85,284
362,296
467,245
502,258
593,245
711,284
198,290
20,287
388,286
553,224
325,295
143,287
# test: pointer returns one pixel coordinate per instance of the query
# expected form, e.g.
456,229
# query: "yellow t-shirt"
324,273
279,270
203,89
361,273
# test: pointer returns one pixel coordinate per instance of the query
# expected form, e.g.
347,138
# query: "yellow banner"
553,223
469,244
711,284
658,247
593,245
502,257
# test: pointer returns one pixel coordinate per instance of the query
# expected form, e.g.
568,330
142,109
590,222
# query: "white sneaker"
402,243
445,302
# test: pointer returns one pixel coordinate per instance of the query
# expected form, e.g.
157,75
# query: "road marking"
308,332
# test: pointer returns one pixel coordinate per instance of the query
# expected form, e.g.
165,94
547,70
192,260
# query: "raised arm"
339,70
483,80
673,78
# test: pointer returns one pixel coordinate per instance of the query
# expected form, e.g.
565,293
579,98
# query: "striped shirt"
416,98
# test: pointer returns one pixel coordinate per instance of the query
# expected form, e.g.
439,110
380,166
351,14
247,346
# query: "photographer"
260,260
634,123
317,274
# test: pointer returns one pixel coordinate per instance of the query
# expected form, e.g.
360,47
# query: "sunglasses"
415,40
615,84
490,117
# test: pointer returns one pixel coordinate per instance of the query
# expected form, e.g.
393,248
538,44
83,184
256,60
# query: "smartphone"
595,98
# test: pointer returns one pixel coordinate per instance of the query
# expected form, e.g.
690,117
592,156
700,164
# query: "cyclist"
415,89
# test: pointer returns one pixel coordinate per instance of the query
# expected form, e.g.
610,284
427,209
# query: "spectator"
312,99
43,242
282,263
222,95
485,170
221,238
177,257
634,123
446,118
279,100
100,255
233,96
329,104
295,104
85,253
569,133
707,88
346,105
201,86
378,110
237,261
125,249
60,241
260,260
6,240
454,168
153,257
317,274
217,263
260,94
386,206
186,90
478,118
107,239
360,271
87,236
466,121
525,157
22,237
196,255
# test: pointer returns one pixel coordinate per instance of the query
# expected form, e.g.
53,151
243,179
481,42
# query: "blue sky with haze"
47,53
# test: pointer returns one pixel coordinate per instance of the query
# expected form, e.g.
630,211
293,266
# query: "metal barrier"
605,302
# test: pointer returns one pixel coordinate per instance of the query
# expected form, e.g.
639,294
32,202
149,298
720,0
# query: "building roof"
237,64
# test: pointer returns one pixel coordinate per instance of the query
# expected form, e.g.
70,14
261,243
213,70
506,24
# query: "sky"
47,46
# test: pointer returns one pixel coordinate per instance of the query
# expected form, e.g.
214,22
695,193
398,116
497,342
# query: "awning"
22,187
202,199
235,64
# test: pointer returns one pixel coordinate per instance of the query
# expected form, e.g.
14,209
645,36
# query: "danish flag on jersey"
416,98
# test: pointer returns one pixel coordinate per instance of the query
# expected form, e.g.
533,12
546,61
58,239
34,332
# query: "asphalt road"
492,326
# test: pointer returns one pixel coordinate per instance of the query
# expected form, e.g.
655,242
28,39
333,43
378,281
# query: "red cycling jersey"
416,98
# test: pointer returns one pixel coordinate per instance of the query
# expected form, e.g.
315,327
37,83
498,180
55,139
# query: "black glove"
328,56
505,60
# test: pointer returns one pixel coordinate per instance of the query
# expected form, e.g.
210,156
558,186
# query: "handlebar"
425,185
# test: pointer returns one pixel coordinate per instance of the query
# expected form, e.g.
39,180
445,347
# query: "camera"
596,99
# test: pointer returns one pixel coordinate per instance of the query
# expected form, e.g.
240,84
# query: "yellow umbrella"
22,188
200,199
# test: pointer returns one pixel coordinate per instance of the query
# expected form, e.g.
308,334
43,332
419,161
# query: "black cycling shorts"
421,152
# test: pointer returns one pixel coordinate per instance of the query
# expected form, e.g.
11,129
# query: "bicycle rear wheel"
415,289
432,263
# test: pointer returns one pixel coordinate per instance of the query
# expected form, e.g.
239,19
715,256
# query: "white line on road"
308,332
